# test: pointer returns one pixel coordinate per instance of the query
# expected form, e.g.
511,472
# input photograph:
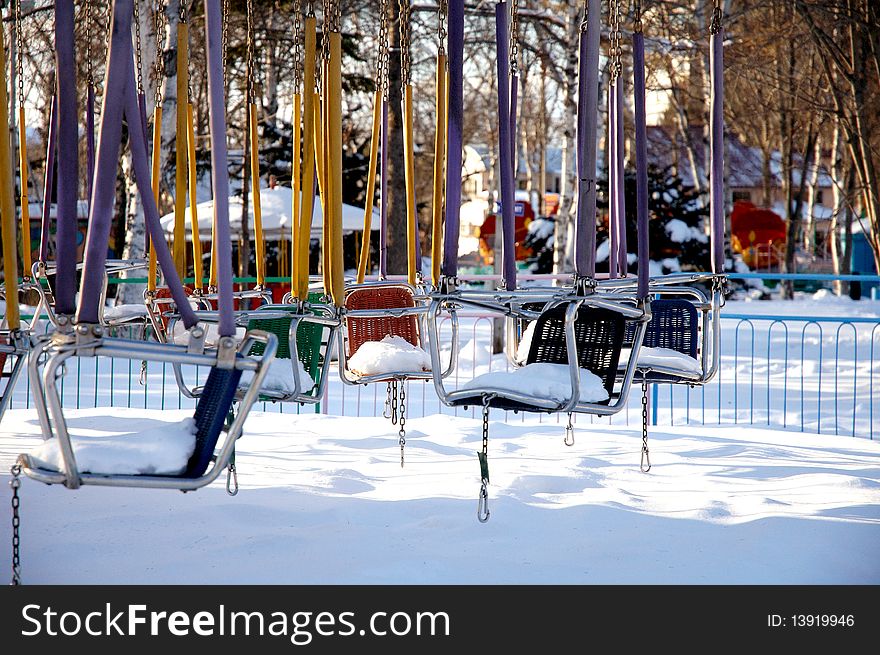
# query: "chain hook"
569,432
142,376
483,502
386,412
231,479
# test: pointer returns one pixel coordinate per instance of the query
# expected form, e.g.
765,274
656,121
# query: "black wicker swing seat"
673,328
580,332
215,435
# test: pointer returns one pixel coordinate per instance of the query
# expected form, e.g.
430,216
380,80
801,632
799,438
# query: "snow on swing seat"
280,378
126,312
542,380
665,359
162,450
393,354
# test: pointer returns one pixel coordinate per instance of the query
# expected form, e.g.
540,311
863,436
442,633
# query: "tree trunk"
563,257
396,233
135,229
838,182
812,194
169,100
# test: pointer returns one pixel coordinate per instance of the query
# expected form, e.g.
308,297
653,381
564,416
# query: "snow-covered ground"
324,500
742,489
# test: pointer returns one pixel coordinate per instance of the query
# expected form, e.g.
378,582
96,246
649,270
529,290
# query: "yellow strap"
179,244
7,204
409,174
296,188
26,259
198,273
157,152
371,185
255,193
308,167
321,161
439,169
334,170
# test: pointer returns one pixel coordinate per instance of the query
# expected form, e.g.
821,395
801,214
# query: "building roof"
744,163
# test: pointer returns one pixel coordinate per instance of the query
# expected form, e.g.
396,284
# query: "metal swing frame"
510,304
88,341
419,311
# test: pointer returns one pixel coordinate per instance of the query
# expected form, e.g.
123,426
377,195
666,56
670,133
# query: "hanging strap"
68,167
412,230
334,156
383,198
439,164
154,183
456,121
588,103
120,100
296,156
90,141
716,133
254,142
307,195
7,204
178,244
617,261
198,273
619,187
48,180
508,214
23,197
219,159
364,260
641,155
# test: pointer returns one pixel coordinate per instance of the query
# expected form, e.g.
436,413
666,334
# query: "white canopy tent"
276,206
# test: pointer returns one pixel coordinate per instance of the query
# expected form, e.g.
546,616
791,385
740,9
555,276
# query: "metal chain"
637,16
514,37
569,432
586,18
394,402
298,45
442,15
15,483
384,53
615,41
138,48
483,456
249,53
224,36
19,45
402,432
645,464
405,28
717,15
159,68
90,71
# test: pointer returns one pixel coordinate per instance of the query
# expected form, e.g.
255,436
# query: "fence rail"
803,373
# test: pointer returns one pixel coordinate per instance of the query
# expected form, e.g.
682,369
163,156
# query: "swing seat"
309,343
397,317
213,409
673,327
599,337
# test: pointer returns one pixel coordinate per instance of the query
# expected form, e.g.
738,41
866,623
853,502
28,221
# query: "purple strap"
120,99
68,173
588,110
142,109
90,141
612,183
219,163
455,46
620,187
48,180
514,107
383,197
716,130
641,162
508,245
